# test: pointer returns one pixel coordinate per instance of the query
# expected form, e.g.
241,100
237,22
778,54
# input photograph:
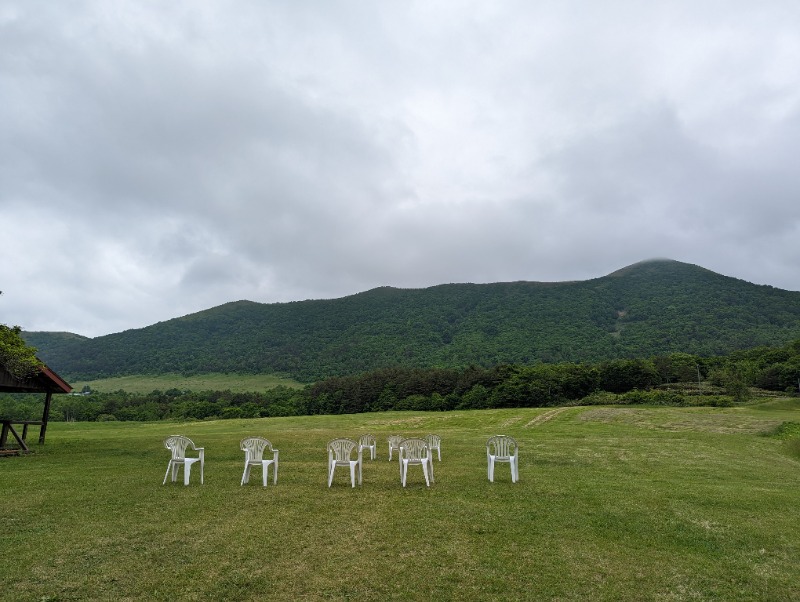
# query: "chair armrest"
275,454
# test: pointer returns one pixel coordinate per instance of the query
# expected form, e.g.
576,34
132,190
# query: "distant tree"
735,379
621,376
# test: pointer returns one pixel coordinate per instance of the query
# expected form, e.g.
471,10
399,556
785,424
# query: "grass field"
201,382
614,503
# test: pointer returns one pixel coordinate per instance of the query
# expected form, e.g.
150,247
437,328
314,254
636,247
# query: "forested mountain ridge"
647,309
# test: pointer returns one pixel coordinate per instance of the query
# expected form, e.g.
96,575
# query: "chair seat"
368,442
178,444
339,454
394,444
434,443
415,452
254,449
503,449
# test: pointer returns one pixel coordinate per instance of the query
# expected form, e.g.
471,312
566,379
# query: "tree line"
674,379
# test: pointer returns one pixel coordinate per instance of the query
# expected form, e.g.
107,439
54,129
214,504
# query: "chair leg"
430,468
187,472
330,473
360,473
403,472
491,469
425,472
275,473
246,473
169,466
264,473
352,474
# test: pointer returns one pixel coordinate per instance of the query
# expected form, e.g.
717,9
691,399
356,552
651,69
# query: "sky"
162,158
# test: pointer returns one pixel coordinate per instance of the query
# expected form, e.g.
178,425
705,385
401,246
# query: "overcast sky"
161,158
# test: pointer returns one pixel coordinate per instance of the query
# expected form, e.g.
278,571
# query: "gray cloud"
156,160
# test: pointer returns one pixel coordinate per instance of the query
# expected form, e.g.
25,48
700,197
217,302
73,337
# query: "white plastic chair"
414,451
394,444
502,448
339,454
368,442
177,445
254,448
434,443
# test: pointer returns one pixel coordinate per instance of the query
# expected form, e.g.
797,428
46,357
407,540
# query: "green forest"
649,309
677,379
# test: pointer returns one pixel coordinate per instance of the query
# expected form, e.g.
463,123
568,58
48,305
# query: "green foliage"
16,356
649,310
735,378
787,430
643,382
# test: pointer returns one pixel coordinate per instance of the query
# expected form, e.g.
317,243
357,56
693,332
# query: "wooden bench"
8,427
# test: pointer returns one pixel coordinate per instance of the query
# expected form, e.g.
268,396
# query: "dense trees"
647,310
678,378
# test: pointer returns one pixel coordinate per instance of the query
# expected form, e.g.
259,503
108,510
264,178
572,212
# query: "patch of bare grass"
684,419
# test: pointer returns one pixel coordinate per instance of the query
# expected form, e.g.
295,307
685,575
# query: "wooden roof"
46,381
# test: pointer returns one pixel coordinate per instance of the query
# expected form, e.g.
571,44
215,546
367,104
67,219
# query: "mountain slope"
646,309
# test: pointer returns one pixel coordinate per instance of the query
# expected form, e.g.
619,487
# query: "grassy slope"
613,504
202,382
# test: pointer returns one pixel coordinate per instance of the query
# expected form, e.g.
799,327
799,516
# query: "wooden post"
45,416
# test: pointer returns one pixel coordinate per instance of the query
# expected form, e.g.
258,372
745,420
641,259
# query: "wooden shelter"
47,382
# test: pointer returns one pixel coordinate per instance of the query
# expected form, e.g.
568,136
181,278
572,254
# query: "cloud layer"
159,159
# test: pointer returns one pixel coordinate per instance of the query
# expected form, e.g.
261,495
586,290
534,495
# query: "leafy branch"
18,358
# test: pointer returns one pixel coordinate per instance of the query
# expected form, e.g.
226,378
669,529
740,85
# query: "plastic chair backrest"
341,449
178,444
414,449
254,447
433,441
501,446
366,440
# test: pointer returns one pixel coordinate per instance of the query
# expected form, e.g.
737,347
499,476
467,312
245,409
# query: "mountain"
646,309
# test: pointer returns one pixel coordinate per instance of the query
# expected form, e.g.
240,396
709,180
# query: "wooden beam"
8,428
45,416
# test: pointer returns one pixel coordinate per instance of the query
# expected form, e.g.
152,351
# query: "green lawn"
201,382
614,503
